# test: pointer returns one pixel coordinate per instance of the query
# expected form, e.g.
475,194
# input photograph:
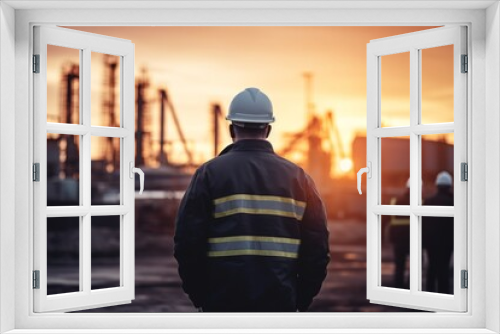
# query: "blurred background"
185,78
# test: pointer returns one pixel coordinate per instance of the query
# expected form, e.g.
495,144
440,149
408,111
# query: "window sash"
413,43
86,297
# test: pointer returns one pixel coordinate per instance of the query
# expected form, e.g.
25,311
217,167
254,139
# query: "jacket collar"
249,145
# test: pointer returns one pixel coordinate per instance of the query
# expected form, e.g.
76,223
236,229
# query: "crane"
217,118
166,101
334,134
163,158
111,65
142,83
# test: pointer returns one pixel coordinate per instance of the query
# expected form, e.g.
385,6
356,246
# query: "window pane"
395,90
105,154
63,85
437,264
63,255
105,90
395,251
437,169
395,170
105,251
63,170
437,85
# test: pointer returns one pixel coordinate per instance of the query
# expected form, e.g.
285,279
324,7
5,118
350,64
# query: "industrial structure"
317,147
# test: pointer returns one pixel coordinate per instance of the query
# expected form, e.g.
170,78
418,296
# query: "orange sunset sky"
202,65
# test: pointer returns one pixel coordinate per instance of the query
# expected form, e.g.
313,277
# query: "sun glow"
345,165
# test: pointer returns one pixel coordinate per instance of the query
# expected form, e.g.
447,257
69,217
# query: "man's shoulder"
288,163
230,156
440,199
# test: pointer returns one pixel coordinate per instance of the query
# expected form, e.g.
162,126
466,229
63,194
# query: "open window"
63,145
416,51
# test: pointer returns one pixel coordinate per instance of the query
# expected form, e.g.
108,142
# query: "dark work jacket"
251,233
437,232
400,233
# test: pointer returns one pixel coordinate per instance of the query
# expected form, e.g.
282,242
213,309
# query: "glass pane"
63,170
105,90
63,255
395,252
395,90
105,154
437,263
105,252
63,85
395,170
437,169
437,85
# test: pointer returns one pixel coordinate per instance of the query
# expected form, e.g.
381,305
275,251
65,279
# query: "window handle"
368,171
133,170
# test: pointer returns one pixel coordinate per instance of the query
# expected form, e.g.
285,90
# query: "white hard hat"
251,106
408,183
444,179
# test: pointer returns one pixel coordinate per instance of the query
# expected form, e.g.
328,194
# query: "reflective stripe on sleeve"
400,221
253,245
259,204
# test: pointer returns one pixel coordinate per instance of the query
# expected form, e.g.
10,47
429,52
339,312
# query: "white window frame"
484,214
413,44
86,44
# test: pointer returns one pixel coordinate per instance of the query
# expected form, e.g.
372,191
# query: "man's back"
251,233
437,232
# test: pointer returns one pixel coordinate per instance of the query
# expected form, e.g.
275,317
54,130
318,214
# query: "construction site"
318,148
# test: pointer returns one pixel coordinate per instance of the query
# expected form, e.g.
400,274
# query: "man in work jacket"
437,238
251,232
399,235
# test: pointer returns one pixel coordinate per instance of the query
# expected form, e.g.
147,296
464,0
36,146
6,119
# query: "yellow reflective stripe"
252,252
254,238
257,212
400,221
260,198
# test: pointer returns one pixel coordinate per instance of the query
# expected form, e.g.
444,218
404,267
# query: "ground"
158,286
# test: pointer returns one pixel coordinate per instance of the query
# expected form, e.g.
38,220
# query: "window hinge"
465,64
464,174
36,172
465,279
36,63
36,279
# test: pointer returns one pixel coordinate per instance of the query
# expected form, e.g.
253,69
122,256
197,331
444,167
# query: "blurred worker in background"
251,232
437,237
399,236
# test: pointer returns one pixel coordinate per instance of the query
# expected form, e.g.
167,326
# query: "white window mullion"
123,175
106,131
414,170
426,129
54,126
373,244
85,249
127,119
98,210
85,179
391,210
396,131
434,129
108,210
68,129
405,210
